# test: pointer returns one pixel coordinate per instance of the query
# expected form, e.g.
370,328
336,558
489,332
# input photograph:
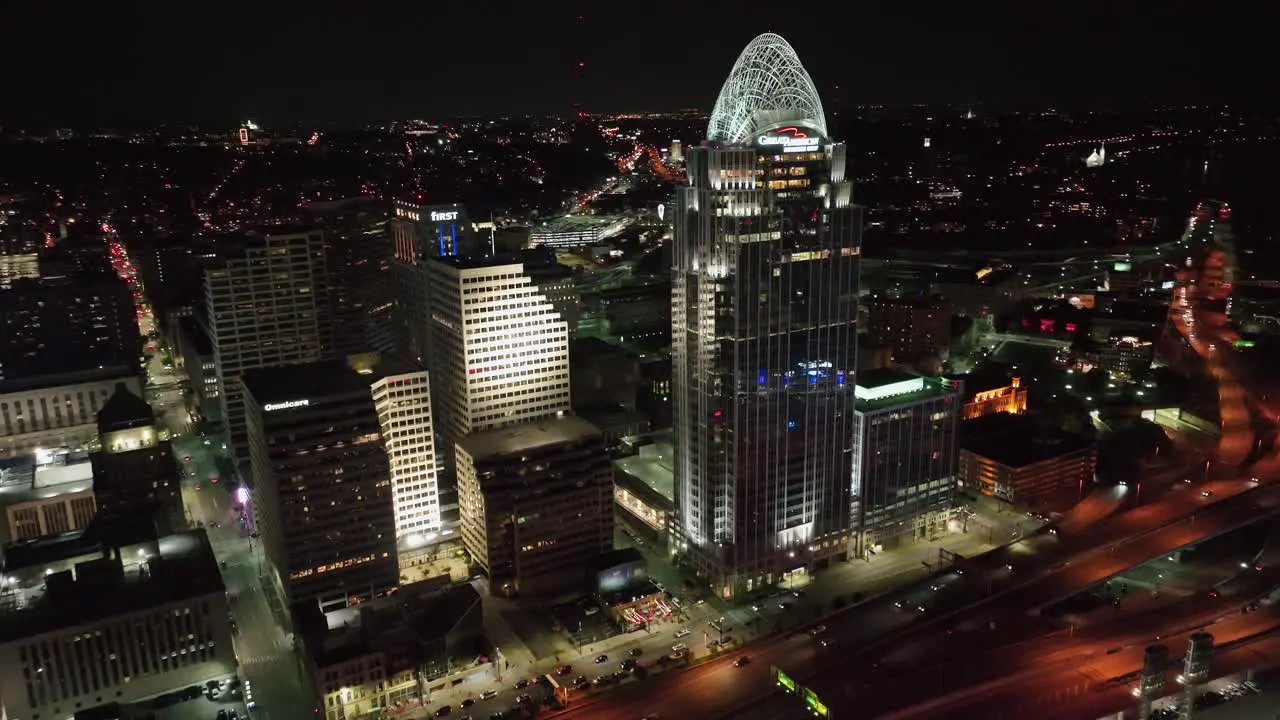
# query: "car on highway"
816,631
524,699
679,648
523,683
1206,493
564,670
682,632
444,710
635,652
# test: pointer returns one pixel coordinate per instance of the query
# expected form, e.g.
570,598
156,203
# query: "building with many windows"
65,324
499,351
158,622
764,312
905,461
265,307
324,499
537,504
1034,468
134,471
56,411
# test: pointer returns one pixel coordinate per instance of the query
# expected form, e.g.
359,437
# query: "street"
269,664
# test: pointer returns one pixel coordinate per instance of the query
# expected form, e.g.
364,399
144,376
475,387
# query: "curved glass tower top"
767,87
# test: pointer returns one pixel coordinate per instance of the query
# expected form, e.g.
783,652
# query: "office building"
265,308
134,471
65,324
764,309
46,493
421,232
361,291
157,622
323,497
1032,467
201,367
388,652
675,156
19,259
499,351
914,328
58,411
556,282
635,313
905,458
537,504
402,398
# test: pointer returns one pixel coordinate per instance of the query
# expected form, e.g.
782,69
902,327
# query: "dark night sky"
130,61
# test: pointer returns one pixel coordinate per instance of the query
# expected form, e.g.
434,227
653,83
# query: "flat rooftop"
48,481
1026,443
571,223
889,387
527,436
653,467
50,595
325,378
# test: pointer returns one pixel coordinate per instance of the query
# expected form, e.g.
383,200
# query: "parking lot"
227,700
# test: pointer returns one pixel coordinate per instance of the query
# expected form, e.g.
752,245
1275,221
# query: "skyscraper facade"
764,307
499,351
420,232
266,307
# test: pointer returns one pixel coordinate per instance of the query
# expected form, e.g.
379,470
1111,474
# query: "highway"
1036,571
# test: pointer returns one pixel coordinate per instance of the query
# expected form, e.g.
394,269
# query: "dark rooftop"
324,378
1025,443
178,567
880,377
124,410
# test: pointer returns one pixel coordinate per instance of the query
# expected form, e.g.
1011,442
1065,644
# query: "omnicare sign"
791,139
287,405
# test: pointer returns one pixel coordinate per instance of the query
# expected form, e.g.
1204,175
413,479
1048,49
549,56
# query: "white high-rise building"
498,350
266,307
403,402
676,155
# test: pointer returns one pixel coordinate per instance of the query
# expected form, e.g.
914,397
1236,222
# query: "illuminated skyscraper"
499,351
764,305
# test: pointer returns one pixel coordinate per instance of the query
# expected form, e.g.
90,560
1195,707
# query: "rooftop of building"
651,472
46,583
68,379
570,223
28,478
527,436
420,609
882,388
1017,441
324,378
124,410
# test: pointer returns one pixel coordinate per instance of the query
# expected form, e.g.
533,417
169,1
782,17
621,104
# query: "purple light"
242,495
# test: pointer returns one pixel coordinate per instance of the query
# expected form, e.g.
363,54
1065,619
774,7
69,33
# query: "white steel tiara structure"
767,87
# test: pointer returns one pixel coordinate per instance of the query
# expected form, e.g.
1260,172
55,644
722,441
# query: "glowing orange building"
1011,398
